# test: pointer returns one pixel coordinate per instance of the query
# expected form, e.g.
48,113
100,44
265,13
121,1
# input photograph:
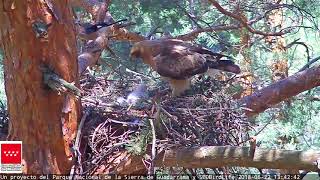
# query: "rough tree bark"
44,121
282,90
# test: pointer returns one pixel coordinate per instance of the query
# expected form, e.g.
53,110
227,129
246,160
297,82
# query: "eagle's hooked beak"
130,57
134,54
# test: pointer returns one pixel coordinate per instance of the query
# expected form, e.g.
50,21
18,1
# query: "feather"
177,61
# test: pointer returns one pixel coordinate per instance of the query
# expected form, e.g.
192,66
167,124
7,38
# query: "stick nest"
114,132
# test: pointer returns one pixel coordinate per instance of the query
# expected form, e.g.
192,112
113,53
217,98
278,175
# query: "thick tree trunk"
44,121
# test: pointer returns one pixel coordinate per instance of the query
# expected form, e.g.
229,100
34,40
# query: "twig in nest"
139,74
126,123
246,109
168,114
130,106
153,148
95,132
76,146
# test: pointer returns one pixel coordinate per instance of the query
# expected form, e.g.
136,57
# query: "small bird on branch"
89,31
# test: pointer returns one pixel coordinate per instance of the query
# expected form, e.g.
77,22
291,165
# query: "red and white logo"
11,156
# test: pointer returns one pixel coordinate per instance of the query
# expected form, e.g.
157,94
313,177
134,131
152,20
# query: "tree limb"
219,156
281,90
309,63
243,20
302,44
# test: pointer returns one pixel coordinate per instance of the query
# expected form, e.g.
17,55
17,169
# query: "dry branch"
243,22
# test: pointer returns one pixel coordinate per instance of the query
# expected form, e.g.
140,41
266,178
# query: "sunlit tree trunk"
44,121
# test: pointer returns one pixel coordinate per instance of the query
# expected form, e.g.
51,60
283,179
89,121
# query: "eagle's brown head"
136,51
145,50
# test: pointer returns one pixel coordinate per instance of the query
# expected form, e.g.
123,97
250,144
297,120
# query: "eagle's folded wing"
180,63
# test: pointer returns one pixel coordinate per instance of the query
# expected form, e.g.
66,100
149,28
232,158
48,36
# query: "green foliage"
296,126
138,145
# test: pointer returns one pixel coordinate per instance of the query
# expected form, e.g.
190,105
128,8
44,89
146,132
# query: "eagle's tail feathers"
224,65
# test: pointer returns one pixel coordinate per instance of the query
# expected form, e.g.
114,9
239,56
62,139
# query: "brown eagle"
177,61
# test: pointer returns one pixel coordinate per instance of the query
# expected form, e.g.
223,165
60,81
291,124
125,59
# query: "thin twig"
264,127
139,74
76,146
309,63
153,148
